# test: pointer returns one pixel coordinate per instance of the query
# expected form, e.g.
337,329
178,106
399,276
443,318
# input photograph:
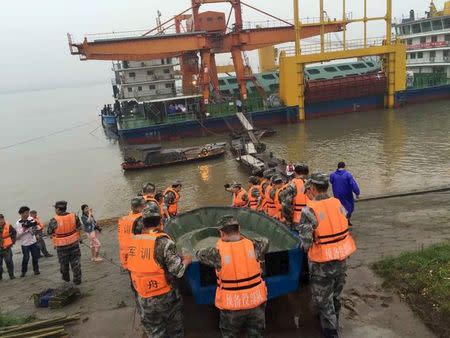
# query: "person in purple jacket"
344,186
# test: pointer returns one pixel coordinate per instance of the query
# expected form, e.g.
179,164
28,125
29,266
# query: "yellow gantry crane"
393,54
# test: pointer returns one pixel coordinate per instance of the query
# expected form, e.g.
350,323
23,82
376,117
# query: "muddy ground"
381,228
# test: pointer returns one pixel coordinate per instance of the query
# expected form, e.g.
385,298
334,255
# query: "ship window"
268,76
344,67
412,55
437,24
426,26
162,61
330,69
434,38
447,37
432,54
142,64
140,88
446,52
132,74
209,19
219,18
409,42
150,72
370,64
416,28
166,71
151,87
232,80
406,29
169,85
313,71
169,61
423,39
420,55
274,87
221,83
359,65
130,90
447,23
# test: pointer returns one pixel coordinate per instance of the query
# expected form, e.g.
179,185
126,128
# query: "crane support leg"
240,71
204,74
213,75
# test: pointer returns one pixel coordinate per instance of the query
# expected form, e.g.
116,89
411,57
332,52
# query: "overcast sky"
33,43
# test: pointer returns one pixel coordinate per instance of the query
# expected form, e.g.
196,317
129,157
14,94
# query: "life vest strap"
334,235
242,287
240,280
64,235
333,241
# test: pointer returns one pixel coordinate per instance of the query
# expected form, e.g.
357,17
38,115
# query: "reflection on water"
385,150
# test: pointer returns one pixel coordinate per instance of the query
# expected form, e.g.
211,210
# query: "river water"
52,147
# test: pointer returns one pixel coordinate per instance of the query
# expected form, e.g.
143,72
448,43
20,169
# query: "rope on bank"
404,194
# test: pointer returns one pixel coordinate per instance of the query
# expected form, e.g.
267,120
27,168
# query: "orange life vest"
278,206
7,240
148,277
300,200
263,185
270,209
238,199
332,240
40,225
124,233
254,202
239,282
173,208
66,232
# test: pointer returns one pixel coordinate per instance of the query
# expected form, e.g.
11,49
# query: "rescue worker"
240,197
124,228
64,228
254,193
265,183
277,199
294,199
40,234
154,265
324,235
7,240
241,292
171,198
148,192
272,192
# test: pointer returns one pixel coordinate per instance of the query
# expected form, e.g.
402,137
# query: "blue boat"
197,228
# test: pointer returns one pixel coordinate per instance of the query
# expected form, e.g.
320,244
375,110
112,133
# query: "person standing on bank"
64,228
26,228
241,293
324,235
40,235
154,266
344,186
92,230
7,240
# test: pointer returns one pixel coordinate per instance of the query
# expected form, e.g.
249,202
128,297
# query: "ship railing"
427,45
126,34
333,46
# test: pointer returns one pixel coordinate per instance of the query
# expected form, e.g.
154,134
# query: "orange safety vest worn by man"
7,239
254,194
241,292
124,228
171,198
325,236
240,197
64,228
153,263
274,207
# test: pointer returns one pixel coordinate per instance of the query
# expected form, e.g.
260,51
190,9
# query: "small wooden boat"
197,229
154,156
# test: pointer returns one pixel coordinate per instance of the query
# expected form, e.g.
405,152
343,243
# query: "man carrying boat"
154,265
64,228
294,199
241,293
324,235
171,198
124,228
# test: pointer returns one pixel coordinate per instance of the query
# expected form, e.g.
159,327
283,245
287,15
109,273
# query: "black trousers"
34,250
7,256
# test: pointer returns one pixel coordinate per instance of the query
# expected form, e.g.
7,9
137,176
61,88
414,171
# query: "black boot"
11,276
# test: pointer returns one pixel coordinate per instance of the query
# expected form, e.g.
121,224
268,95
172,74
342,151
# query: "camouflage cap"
301,167
151,210
1,216
319,178
60,204
227,221
277,179
137,201
176,183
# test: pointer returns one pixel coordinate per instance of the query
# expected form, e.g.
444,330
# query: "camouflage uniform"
69,256
6,254
253,321
162,316
326,279
287,199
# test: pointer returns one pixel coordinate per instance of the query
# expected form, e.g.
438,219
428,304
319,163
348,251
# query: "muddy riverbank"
382,228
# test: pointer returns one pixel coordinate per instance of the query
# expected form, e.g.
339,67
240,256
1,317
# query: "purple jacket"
344,185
